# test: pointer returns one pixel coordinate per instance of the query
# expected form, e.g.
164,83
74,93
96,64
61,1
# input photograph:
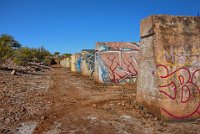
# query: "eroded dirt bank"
59,101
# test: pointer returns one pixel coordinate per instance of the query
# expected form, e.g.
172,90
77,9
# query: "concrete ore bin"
116,62
65,62
87,63
169,66
76,62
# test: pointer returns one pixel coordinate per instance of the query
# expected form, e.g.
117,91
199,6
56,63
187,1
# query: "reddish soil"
60,101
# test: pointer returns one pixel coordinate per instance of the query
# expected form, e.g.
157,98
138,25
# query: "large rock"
169,67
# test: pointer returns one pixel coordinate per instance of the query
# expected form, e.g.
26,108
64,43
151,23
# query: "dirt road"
77,105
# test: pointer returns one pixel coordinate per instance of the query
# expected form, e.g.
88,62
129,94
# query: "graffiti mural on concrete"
116,62
169,67
87,64
180,87
76,63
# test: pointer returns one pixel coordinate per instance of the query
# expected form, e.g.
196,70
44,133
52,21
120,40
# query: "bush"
25,55
6,50
22,56
10,48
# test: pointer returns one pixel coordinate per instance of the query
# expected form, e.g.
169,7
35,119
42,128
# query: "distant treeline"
12,50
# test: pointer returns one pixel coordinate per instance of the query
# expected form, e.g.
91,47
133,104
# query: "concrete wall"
68,62
87,63
116,62
169,67
62,63
76,62
65,62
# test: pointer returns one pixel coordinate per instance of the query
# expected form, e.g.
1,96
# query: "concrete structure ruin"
87,63
116,62
169,66
166,65
65,62
76,62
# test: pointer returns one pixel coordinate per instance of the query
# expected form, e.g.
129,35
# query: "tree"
43,55
67,54
56,53
12,49
5,47
9,40
25,55
15,44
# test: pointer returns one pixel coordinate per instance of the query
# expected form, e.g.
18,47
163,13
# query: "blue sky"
68,26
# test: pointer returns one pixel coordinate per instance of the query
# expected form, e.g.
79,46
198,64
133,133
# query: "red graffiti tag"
181,88
120,65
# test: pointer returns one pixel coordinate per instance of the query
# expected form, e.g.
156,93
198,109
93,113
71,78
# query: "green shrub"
24,55
10,48
6,50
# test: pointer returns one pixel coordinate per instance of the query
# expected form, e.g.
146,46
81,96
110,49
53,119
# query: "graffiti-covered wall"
65,62
87,63
76,62
116,62
169,67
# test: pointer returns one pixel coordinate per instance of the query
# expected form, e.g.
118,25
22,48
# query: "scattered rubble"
20,98
26,128
60,101
30,68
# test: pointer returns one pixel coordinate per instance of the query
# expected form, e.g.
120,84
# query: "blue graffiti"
105,74
78,65
89,59
103,48
103,71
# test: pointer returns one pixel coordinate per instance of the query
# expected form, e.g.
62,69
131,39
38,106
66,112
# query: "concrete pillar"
169,66
87,63
73,61
68,62
76,62
63,62
116,62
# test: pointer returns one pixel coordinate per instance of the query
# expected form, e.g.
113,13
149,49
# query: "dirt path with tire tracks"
79,105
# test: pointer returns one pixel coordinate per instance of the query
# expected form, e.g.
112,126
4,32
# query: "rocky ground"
58,101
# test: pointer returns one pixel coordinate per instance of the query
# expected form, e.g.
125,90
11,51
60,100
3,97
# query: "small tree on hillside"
67,54
5,47
56,53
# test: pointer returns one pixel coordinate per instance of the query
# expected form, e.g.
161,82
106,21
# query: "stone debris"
17,98
13,72
26,128
198,121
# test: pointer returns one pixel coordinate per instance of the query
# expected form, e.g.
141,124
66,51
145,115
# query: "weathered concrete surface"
68,62
87,63
169,75
116,62
65,62
76,62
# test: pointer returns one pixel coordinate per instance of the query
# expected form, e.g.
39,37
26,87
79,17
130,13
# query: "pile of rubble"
16,94
30,68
